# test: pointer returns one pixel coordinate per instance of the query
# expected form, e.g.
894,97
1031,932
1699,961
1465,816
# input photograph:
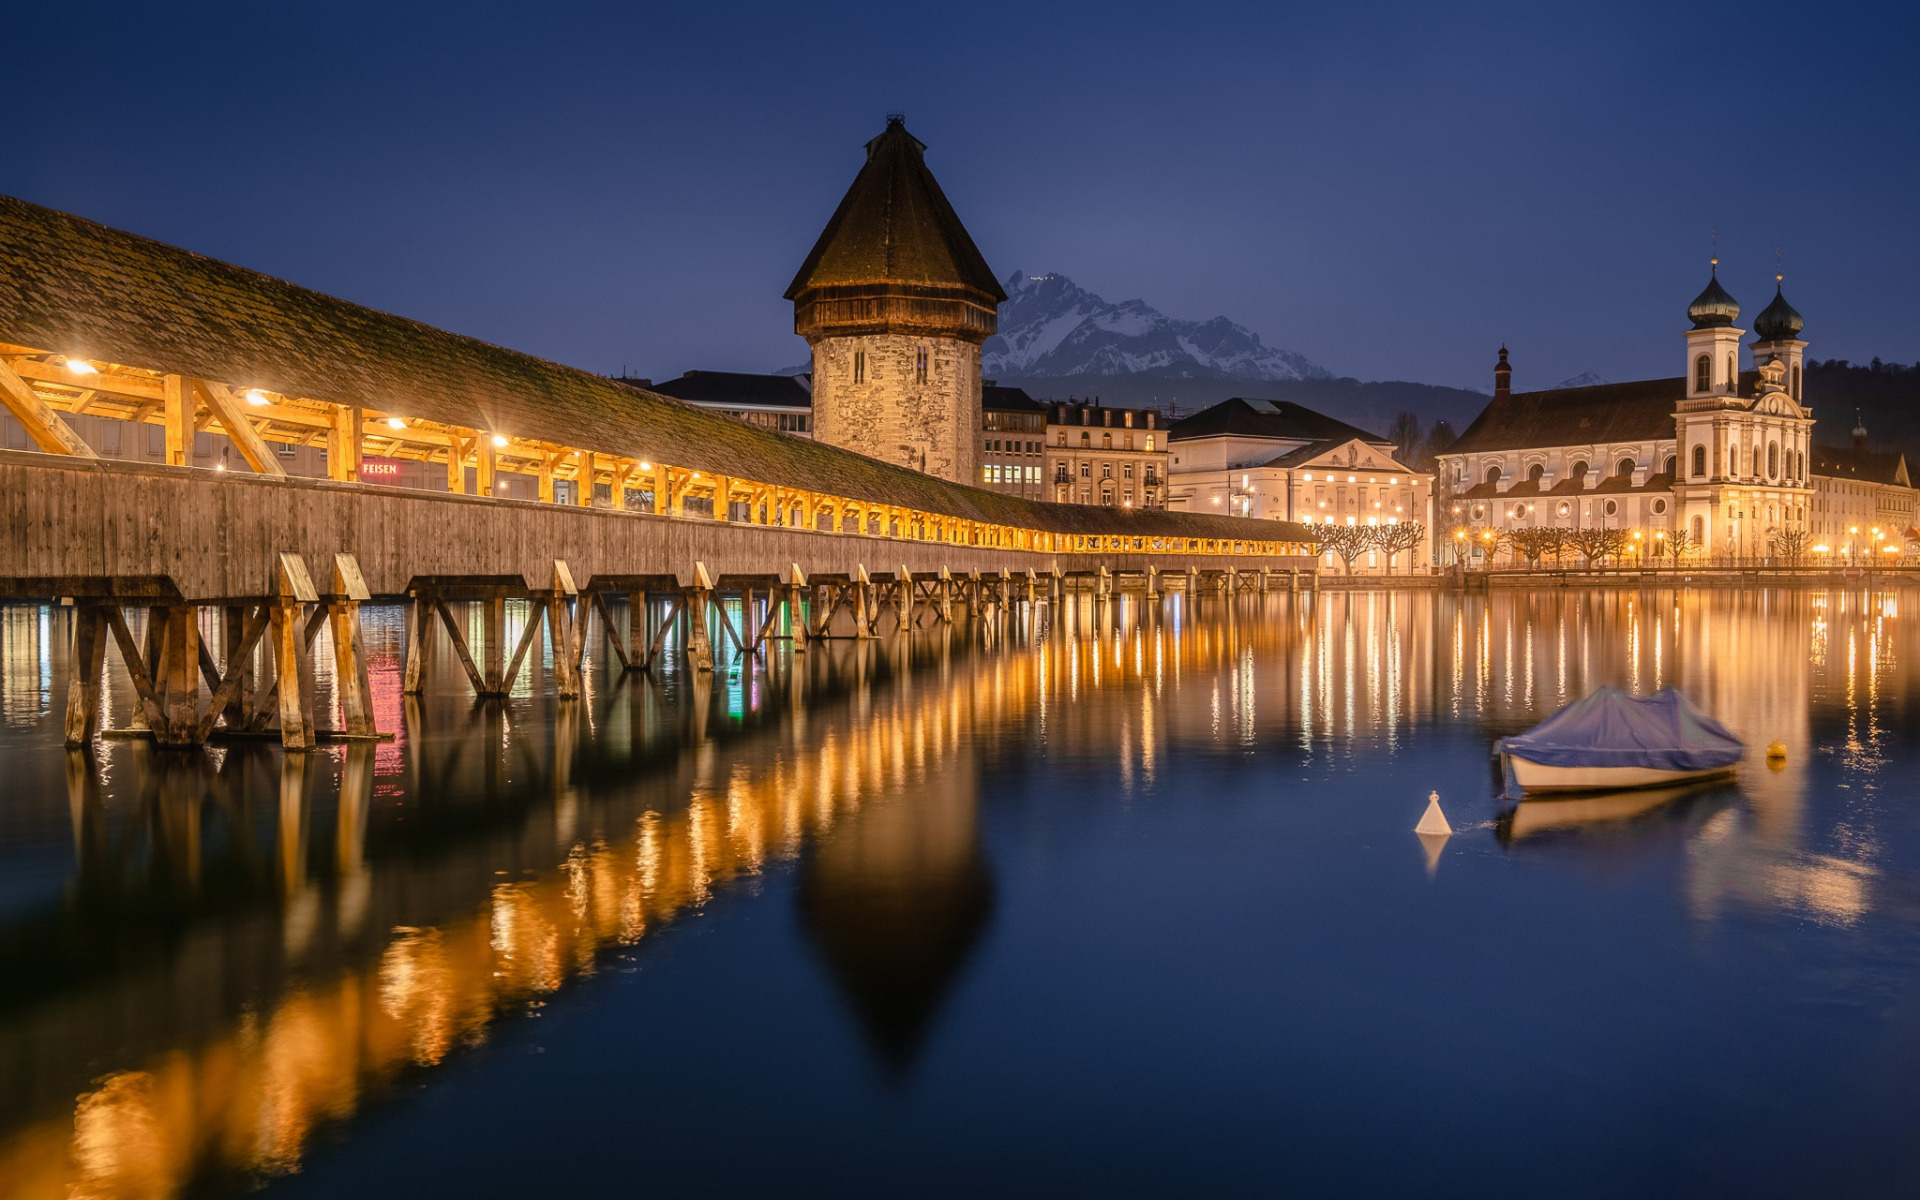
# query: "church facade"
1717,462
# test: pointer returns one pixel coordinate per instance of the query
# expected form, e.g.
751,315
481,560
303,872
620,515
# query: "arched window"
1699,531
1702,374
1773,461
1580,469
1699,462
1796,383
1624,468
1671,464
1535,473
1733,374
1106,441
1493,476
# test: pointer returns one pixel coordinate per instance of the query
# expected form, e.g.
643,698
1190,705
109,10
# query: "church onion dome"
1778,321
1713,307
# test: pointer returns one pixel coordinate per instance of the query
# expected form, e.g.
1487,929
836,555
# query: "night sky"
1391,190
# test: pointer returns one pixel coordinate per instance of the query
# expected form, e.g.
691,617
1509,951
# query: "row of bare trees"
1351,541
1593,547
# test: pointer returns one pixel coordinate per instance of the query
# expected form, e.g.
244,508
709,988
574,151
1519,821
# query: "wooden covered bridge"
669,500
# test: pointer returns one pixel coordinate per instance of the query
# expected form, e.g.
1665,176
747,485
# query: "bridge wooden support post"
493,635
796,610
1193,582
698,597
943,597
88,660
234,647
1229,582
563,633
179,681
903,597
292,664
1056,587
1265,579
1153,581
419,644
350,648
864,615
1102,583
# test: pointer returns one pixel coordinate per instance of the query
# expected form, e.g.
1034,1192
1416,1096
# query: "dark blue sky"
1388,189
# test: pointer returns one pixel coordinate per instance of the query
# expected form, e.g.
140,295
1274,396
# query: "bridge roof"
75,287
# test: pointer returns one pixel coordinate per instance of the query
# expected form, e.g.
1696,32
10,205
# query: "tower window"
1796,383
1773,461
1733,373
859,366
920,365
1703,374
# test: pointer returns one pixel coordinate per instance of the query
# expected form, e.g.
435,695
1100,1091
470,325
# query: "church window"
1699,531
920,365
1733,373
1535,473
1493,476
1699,462
1671,464
1659,506
1580,469
1773,461
1702,374
1796,383
1624,469
859,366
1613,507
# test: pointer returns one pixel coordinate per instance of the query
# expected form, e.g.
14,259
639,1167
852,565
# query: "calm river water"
1126,903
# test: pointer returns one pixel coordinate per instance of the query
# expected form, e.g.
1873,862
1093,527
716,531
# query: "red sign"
375,470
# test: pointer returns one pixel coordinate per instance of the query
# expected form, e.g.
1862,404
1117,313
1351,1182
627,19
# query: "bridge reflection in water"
248,945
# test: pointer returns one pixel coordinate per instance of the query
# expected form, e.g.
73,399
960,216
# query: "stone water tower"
895,300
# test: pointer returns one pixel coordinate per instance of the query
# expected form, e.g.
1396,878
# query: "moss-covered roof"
74,287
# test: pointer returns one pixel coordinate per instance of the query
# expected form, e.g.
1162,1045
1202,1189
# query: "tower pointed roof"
895,226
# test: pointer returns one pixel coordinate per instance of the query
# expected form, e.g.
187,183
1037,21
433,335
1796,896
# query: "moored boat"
1611,741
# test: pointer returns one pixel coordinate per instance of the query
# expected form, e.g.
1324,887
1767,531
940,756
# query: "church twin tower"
895,300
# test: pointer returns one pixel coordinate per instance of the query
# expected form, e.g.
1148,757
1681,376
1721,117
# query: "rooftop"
1605,412
1277,420
732,387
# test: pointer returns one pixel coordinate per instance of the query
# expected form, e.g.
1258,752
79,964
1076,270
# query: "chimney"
1502,377
1859,433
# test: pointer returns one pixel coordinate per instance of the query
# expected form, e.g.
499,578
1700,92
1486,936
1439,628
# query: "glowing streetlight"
80,366
499,440
396,423
256,397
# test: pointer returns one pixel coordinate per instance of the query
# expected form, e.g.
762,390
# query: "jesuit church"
1718,459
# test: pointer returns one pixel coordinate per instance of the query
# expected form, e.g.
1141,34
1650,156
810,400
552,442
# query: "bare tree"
1394,538
1679,544
1536,543
1596,544
1348,541
1789,544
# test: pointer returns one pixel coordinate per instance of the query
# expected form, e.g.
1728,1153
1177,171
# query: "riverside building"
1718,462
1283,462
1100,454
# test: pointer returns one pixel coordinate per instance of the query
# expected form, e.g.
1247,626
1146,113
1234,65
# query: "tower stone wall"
869,397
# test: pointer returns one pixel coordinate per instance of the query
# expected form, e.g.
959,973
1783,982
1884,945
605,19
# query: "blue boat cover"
1612,729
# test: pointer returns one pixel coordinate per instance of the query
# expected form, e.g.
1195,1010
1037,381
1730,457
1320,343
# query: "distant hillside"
1371,406
1887,396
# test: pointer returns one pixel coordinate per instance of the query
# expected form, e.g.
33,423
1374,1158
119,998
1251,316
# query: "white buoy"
1434,822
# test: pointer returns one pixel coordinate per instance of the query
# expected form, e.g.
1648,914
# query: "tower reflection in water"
247,945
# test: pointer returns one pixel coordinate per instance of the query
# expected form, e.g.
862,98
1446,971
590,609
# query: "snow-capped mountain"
1052,328
1583,379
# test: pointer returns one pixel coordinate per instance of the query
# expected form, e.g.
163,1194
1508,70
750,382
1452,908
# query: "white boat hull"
1538,777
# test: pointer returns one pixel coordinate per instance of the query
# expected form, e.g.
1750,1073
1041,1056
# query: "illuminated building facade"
1718,461
1099,454
1278,460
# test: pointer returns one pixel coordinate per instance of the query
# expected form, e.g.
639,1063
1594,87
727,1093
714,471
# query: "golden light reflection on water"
1332,678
